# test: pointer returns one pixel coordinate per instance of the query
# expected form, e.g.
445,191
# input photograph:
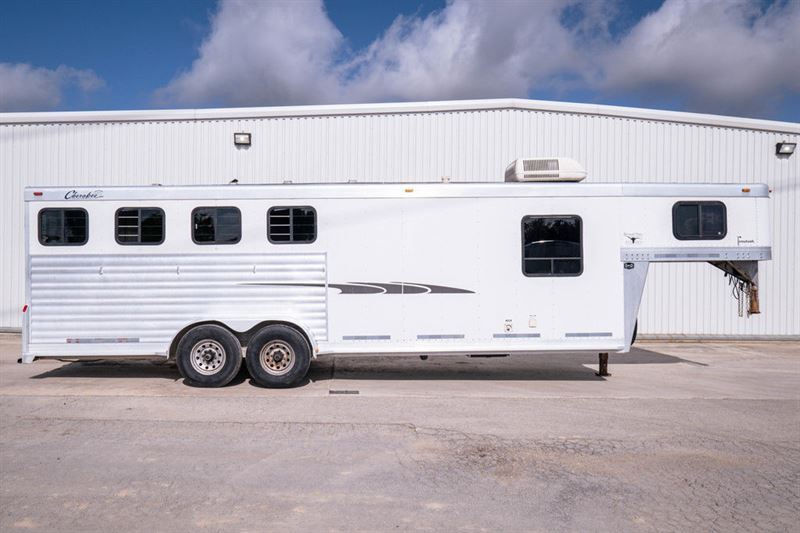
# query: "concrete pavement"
701,436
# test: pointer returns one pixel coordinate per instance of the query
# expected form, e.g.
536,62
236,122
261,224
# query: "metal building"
462,141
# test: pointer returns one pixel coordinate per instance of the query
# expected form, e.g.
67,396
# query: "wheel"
278,356
209,356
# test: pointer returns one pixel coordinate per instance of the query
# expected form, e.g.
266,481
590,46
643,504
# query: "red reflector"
37,193
24,308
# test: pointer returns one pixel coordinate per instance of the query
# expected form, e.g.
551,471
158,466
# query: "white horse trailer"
290,272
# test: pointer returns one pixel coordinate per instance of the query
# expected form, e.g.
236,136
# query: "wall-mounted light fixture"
241,139
784,148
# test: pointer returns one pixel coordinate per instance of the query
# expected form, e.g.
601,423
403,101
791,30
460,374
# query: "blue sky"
735,57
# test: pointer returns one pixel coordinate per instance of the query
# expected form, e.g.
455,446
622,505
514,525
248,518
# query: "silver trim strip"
327,316
366,337
590,334
26,316
711,190
517,335
311,191
751,253
428,337
634,276
102,340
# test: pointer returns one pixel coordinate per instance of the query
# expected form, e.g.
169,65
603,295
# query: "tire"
278,356
209,356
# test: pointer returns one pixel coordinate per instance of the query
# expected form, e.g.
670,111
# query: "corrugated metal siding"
470,145
150,298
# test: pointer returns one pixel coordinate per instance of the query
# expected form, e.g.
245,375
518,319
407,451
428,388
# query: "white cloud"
714,56
257,52
289,53
27,88
725,56
467,50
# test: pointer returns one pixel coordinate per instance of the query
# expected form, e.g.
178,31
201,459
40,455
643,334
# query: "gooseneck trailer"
276,275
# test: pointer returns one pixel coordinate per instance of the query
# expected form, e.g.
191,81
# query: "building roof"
400,108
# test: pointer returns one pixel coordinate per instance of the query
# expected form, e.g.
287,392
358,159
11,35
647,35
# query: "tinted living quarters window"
291,225
552,246
216,225
63,227
139,225
699,220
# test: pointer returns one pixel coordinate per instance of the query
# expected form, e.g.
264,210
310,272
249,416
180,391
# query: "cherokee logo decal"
89,195
364,287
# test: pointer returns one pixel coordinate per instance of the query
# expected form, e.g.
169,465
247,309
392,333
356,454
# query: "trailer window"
139,225
291,225
551,246
63,227
695,221
216,225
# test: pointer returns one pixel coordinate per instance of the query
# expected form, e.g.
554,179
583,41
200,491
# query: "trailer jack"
602,367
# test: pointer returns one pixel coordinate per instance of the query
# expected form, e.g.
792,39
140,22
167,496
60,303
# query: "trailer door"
440,272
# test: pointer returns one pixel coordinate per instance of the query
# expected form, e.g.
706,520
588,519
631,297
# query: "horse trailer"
276,275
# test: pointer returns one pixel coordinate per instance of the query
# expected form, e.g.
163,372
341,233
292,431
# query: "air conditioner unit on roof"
545,169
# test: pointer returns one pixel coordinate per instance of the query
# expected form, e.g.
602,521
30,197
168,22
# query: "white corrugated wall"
468,145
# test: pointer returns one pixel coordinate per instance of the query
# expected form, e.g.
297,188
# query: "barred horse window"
286,225
139,225
63,227
552,246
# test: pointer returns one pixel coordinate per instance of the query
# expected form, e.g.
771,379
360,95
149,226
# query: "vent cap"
545,169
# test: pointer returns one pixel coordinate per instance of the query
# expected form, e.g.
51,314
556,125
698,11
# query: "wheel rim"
208,357
277,358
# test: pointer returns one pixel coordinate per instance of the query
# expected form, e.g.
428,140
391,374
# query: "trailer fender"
248,327
244,328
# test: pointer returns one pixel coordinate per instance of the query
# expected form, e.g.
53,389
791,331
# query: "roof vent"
545,169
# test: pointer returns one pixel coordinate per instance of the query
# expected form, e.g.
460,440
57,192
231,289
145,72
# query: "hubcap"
277,358
208,357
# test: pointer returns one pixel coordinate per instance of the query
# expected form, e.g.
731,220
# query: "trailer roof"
391,190
395,108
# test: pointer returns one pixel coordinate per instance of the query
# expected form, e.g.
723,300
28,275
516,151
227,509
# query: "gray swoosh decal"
388,288
441,289
362,287
357,288
412,288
